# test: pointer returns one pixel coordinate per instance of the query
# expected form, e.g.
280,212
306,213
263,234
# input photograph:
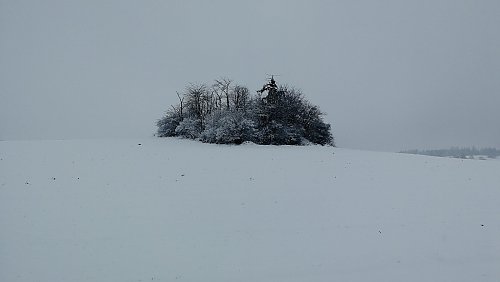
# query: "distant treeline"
457,152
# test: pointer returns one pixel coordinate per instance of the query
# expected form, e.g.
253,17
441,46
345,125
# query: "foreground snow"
169,209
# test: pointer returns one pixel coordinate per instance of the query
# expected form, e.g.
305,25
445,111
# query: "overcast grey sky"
390,75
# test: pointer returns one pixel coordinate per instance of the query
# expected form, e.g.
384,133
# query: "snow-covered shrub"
234,127
208,135
188,128
275,133
318,132
226,127
168,124
315,129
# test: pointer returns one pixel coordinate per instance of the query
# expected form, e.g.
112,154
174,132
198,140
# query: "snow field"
178,210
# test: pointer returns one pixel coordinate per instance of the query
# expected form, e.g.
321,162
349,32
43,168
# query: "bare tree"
198,102
240,97
222,87
179,109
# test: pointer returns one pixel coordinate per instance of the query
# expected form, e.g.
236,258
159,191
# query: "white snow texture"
177,210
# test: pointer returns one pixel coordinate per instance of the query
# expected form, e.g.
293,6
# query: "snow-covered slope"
176,210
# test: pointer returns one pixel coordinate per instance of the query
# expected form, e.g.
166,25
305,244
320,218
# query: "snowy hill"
176,210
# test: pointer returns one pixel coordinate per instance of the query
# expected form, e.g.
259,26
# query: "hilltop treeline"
228,113
457,152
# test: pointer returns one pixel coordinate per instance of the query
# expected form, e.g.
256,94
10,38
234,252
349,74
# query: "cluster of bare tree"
225,112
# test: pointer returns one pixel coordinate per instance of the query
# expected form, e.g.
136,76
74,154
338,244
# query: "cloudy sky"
390,74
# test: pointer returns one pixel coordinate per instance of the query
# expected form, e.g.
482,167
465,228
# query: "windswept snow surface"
177,210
